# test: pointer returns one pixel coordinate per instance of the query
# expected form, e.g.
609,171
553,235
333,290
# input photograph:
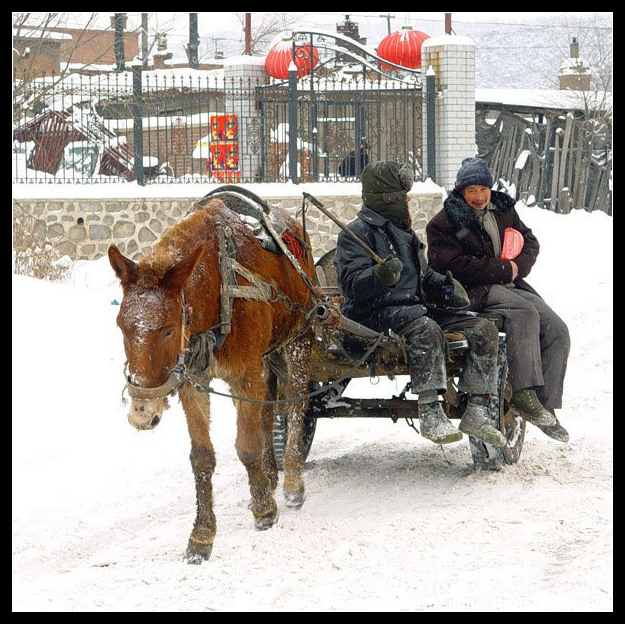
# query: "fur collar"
462,216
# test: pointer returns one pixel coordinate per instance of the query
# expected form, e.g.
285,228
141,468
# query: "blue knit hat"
473,171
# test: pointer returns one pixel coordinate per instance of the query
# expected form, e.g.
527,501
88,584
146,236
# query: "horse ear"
177,276
124,267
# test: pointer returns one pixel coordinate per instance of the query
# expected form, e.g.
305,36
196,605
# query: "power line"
481,22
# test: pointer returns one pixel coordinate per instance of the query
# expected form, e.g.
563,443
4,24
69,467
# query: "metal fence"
146,127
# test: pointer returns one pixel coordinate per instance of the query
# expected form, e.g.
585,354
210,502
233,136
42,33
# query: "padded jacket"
368,301
456,242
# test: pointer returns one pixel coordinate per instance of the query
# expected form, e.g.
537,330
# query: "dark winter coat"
368,301
347,168
456,242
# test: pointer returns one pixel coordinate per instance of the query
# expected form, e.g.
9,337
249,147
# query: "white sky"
210,22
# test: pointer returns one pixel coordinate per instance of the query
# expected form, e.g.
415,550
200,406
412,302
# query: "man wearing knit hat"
407,296
479,236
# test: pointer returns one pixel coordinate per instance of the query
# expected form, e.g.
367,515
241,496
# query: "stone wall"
83,229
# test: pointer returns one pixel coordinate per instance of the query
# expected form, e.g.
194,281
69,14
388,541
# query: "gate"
343,116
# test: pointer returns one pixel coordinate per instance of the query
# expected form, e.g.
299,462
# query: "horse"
213,300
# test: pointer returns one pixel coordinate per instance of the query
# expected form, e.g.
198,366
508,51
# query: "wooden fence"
560,160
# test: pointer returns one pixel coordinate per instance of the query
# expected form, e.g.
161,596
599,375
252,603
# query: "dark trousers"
537,340
427,353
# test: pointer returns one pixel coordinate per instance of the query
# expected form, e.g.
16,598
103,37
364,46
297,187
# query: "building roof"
555,99
33,32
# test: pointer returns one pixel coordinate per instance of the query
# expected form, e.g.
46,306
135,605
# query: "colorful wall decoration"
224,149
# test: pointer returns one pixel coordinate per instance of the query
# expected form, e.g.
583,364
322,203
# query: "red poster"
218,156
232,155
224,148
217,127
230,127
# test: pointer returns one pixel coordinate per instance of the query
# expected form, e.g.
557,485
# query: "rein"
335,384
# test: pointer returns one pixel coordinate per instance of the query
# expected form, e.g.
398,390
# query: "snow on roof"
544,98
448,40
574,66
33,32
244,59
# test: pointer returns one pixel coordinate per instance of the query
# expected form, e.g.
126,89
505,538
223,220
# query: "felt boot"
476,422
435,425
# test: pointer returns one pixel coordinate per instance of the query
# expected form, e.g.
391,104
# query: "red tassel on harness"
293,244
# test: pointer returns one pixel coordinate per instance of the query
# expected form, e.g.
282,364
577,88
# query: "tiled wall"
453,60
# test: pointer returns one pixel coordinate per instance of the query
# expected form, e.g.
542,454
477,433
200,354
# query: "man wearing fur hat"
480,237
404,294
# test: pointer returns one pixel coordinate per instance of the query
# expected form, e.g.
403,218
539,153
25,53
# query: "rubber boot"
435,425
476,422
525,403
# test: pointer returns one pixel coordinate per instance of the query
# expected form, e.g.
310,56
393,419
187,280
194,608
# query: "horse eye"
167,333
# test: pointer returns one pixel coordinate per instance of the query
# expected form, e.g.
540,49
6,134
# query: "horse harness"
198,355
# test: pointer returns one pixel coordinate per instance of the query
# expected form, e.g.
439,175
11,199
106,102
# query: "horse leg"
253,444
297,355
196,409
269,460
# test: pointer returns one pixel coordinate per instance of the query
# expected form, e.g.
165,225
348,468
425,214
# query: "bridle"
176,376
216,335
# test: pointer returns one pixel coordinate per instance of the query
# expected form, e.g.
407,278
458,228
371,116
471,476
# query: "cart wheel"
280,433
487,456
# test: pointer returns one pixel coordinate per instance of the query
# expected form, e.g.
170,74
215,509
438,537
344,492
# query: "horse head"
152,321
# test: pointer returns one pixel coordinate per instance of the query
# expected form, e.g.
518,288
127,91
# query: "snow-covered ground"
102,513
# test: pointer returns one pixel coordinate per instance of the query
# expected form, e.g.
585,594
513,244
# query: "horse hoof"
266,522
197,555
294,500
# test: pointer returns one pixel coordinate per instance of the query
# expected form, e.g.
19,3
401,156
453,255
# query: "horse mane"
186,236
179,240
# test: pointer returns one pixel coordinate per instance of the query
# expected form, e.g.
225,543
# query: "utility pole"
388,18
144,40
194,42
120,19
248,34
448,30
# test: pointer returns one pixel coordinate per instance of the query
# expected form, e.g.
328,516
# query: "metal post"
194,41
430,82
144,40
360,137
137,114
119,42
293,121
313,114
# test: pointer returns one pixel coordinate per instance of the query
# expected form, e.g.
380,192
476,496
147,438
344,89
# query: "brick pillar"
452,57
242,75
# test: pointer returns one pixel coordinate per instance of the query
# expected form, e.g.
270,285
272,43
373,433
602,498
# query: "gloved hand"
454,294
389,272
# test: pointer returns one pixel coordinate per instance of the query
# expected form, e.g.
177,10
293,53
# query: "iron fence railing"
154,128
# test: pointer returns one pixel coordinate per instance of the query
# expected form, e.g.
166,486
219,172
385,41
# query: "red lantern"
281,54
402,47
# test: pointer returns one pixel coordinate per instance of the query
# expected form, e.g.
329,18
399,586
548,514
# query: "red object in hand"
512,244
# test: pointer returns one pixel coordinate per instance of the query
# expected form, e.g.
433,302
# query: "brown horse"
210,301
